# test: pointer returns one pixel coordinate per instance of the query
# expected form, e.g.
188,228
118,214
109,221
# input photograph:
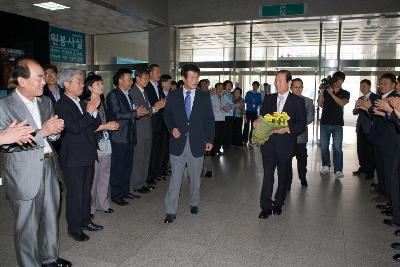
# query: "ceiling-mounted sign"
66,46
283,10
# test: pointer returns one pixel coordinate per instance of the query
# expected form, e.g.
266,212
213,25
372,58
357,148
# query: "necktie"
280,104
188,104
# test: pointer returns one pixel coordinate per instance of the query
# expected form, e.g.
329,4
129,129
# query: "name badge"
106,135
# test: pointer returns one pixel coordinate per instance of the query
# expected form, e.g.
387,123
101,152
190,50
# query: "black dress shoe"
390,222
384,206
194,209
161,178
387,212
395,246
166,173
143,190
358,172
110,210
81,236
397,233
151,182
208,174
132,196
93,227
59,263
264,214
169,218
397,257
277,210
369,177
304,182
120,202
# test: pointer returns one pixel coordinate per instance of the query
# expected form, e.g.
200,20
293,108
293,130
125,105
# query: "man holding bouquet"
279,149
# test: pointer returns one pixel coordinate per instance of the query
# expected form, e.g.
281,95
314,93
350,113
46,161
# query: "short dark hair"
173,83
218,84
189,67
51,67
22,70
388,76
237,89
141,72
179,84
201,81
339,75
121,72
256,83
265,84
297,80
366,81
287,73
165,78
151,67
226,82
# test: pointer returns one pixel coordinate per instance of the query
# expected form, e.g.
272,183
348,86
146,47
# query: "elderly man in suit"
31,177
78,153
190,120
278,151
302,139
363,128
121,109
142,150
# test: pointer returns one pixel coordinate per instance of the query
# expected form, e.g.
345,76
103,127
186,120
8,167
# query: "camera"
328,81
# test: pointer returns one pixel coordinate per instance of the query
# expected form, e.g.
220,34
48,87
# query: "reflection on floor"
330,223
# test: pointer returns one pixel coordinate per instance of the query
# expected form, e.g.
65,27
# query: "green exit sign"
283,10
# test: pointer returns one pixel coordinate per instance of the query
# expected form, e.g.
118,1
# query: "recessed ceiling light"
51,6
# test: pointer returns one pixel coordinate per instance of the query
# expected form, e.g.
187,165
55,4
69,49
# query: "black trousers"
301,157
395,184
165,151
157,158
365,153
228,132
388,165
270,164
218,137
120,170
79,182
251,117
237,136
378,159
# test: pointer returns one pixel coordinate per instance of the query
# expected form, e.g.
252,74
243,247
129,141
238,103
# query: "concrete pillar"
162,48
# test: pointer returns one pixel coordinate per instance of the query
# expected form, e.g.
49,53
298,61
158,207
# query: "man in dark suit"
279,149
363,127
157,101
121,110
190,120
78,153
31,171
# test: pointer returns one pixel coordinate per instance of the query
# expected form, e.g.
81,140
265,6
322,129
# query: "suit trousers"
228,132
141,160
219,136
301,157
251,116
178,165
36,221
269,165
207,164
388,165
79,181
365,153
378,159
121,169
395,187
101,182
237,136
158,149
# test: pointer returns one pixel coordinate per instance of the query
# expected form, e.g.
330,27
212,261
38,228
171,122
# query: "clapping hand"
383,104
395,102
17,133
379,112
112,126
142,111
52,126
160,104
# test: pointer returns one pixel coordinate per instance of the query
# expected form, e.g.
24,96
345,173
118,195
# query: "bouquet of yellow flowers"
268,124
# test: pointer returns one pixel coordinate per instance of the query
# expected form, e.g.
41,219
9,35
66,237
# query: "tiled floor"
330,223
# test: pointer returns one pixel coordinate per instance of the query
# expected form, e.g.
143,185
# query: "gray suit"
31,183
142,151
303,137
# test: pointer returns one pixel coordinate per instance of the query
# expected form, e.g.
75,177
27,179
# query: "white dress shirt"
192,95
280,101
34,111
155,85
386,95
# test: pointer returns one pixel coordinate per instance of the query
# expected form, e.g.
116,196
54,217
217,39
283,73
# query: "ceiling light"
51,6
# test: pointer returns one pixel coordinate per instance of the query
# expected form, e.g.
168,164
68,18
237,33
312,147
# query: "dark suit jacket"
79,144
157,118
199,127
49,94
282,145
364,120
119,110
383,131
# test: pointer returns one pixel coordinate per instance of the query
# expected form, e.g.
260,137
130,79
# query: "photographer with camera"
332,99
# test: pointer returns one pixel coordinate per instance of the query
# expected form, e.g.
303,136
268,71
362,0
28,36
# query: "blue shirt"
229,101
253,101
